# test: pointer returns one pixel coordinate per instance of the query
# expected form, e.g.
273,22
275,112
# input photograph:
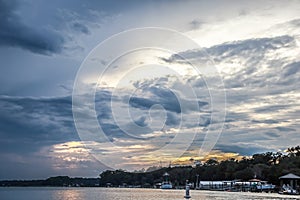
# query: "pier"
253,185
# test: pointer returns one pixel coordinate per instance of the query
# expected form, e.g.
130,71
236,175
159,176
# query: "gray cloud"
170,104
272,135
172,119
195,24
252,49
271,108
295,22
255,85
39,121
14,33
267,121
141,121
30,128
291,69
164,97
112,130
81,28
101,104
241,149
285,129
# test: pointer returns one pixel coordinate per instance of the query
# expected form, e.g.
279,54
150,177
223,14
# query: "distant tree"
294,151
211,161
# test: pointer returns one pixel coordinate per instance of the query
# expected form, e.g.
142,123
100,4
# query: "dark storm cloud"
14,33
37,122
31,123
27,126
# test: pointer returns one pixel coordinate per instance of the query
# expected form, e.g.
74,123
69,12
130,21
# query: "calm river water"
48,193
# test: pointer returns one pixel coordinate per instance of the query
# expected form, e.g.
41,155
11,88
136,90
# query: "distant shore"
58,181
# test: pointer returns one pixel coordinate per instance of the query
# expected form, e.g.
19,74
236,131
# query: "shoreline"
216,194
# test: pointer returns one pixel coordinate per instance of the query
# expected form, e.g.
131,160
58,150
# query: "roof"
254,180
289,176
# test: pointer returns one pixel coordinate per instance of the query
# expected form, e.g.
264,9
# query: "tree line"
267,166
58,181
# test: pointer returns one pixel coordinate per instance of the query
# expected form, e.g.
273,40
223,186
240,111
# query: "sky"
91,85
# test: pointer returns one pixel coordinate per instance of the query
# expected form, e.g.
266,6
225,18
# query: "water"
52,193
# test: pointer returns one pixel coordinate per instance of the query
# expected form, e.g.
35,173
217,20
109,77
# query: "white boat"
166,184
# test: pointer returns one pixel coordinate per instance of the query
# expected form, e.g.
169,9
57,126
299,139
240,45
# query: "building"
290,182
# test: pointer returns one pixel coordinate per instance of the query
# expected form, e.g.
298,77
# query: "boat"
287,189
166,184
264,186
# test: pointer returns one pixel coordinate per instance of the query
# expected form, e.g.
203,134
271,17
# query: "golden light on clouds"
215,154
74,153
69,155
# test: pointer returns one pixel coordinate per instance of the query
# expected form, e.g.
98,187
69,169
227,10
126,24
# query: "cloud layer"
254,47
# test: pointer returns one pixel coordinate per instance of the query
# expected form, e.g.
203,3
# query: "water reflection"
69,194
51,193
